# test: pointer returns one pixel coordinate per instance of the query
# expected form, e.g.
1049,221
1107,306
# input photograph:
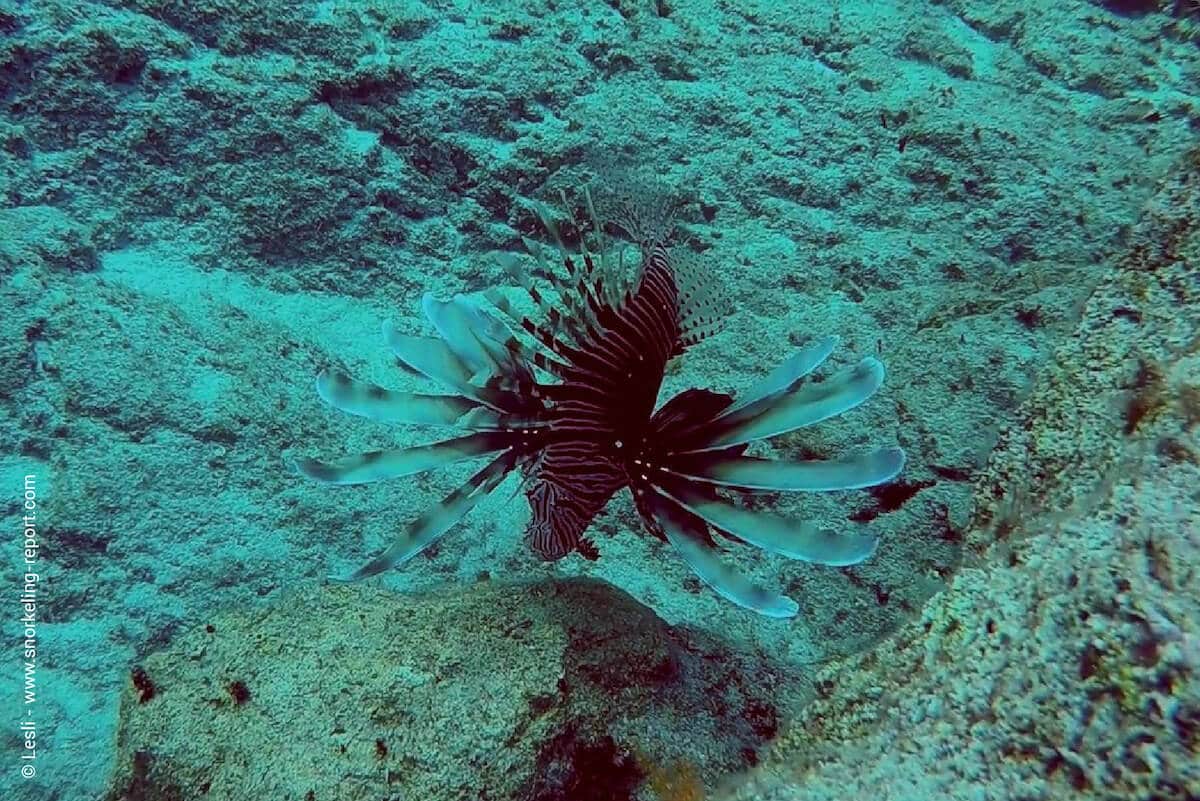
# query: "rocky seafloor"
207,203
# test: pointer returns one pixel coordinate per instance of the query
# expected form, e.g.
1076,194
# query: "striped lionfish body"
570,403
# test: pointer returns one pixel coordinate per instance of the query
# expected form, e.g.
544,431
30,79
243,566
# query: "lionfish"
570,402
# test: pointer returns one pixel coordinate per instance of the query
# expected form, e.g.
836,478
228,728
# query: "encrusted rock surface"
558,690
1064,662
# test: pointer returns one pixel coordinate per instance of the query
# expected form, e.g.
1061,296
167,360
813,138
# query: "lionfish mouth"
570,402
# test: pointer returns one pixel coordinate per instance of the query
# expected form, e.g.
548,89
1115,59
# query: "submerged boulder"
540,691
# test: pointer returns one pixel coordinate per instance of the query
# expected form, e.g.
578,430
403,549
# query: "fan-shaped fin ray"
435,359
474,337
805,406
818,475
484,419
782,378
388,406
427,355
681,531
790,538
382,465
427,528
586,325
597,228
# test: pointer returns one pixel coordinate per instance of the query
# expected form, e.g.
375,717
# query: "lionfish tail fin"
638,208
703,304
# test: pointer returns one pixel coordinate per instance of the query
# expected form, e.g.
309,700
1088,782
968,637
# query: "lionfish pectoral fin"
480,419
466,331
683,534
783,377
381,465
367,400
806,406
857,471
427,528
435,359
790,538
491,332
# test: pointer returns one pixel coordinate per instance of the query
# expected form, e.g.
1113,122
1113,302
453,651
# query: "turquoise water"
938,262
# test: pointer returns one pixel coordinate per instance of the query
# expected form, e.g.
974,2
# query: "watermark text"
28,600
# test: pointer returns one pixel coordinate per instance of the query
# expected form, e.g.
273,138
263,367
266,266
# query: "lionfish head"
567,398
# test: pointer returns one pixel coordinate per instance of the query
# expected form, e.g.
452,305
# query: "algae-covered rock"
1065,662
43,237
532,691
